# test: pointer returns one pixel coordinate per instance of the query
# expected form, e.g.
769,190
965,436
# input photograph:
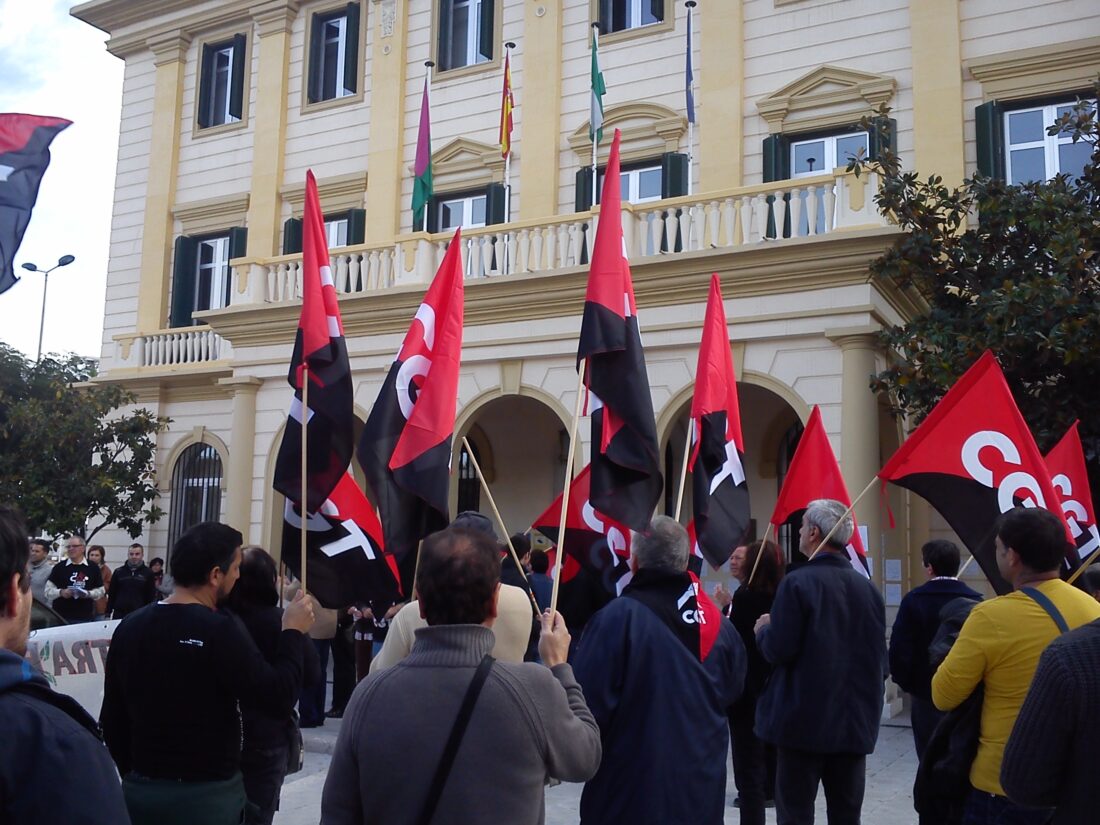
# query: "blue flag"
689,75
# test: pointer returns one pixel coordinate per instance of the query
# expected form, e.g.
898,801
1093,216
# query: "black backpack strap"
1044,602
450,751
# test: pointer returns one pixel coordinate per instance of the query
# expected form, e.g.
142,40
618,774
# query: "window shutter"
606,16
989,127
316,59
496,203
351,49
206,78
777,158
357,226
238,242
657,9
674,174
446,34
184,271
292,236
236,91
882,137
583,189
487,32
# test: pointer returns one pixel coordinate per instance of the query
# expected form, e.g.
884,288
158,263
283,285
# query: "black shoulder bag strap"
1044,602
443,770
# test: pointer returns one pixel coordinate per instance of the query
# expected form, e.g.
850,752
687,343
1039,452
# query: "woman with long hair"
753,760
97,555
266,745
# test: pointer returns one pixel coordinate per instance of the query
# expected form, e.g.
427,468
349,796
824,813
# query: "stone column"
242,448
273,22
169,55
540,132
385,148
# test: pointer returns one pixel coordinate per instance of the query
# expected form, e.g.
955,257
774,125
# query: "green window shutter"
496,201
357,226
236,93
989,128
674,174
184,272
292,236
606,16
238,242
583,189
351,49
657,9
446,34
206,78
777,158
487,32
316,59
883,136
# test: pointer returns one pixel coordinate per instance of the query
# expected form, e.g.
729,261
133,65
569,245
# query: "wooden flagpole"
847,513
962,569
684,469
568,483
1089,559
755,564
500,521
303,494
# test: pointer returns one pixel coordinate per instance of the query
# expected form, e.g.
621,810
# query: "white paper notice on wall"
893,570
892,595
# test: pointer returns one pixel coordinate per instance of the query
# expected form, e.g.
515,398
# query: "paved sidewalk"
888,801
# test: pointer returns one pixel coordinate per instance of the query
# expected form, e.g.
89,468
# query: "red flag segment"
715,381
320,319
16,130
1069,477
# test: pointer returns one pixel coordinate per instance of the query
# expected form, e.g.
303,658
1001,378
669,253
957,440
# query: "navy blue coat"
662,718
827,641
915,627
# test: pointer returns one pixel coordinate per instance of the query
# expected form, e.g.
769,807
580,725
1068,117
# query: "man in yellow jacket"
1000,644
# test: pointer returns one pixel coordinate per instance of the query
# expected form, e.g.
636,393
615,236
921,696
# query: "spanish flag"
507,103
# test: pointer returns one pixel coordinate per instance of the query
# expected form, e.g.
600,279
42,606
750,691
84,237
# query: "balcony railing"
778,212
172,347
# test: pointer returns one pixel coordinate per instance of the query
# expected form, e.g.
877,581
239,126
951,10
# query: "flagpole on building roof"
304,495
422,166
581,367
595,115
507,104
690,98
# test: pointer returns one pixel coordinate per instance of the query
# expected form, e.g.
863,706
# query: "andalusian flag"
507,104
595,114
422,183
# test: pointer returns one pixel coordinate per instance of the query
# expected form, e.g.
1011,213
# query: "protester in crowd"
40,568
363,638
1089,581
1052,754
343,665
915,626
526,722
541,583
267,734
999,647
133,585
311,703
826,638
660,669
163,581
176,673
46,736
96,557
753,759
74,584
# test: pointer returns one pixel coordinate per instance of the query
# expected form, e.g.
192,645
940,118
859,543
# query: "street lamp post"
64,260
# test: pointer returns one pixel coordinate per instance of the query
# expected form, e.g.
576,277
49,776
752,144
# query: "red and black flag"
24,156
974,458
1068,474
598,543
626,475
695,559
405,449
321,353
721,494
813,474
344,551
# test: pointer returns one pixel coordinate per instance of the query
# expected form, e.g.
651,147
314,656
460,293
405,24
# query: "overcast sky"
53,64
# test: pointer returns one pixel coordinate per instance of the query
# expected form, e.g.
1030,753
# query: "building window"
620,15
1033,155
466,33
221,84
201,276
824,154
336,232
334,54
469,486
639,184
341,229
196,490
465,211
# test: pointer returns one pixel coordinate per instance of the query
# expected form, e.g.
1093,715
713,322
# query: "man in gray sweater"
528,723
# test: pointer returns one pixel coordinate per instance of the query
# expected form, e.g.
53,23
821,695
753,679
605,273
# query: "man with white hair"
660,667
826,637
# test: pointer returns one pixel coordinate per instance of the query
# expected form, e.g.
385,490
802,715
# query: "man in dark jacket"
46,735
914,628
132,586
660,668
826,637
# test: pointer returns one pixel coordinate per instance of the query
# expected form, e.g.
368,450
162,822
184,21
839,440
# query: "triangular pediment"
463,150
826,96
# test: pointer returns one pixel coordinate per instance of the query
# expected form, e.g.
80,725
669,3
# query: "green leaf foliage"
74,456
